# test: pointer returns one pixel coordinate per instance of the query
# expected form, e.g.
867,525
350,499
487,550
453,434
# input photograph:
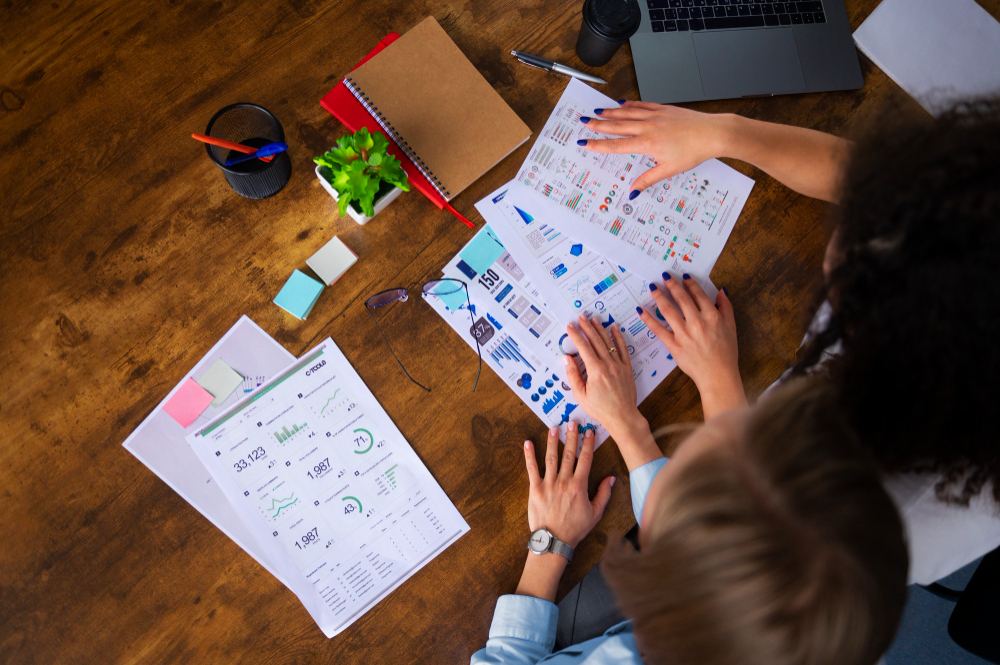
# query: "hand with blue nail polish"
678,139
701,337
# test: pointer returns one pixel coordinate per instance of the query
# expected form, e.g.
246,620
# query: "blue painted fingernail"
581,142
638,310
598,111
634,193
669,357
652,287
726,291
666,277
621,101
686,276
584,119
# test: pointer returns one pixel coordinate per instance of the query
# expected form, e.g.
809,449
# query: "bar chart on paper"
285,433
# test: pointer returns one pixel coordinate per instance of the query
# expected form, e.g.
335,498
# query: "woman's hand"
677,138
559,500
608,393
701,338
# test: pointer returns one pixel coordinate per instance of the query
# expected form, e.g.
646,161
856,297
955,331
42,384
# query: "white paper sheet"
159,443
331,491
939,51
679,225
518,336
575,280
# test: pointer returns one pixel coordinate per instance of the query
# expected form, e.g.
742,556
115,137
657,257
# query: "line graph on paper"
277,507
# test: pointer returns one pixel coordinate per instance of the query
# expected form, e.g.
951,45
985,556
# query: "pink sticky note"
189,402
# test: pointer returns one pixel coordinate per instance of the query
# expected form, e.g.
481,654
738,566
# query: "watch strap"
562,549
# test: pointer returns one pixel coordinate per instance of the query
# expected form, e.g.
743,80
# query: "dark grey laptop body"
684,65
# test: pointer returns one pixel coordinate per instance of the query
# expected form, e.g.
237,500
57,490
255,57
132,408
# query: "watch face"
540,541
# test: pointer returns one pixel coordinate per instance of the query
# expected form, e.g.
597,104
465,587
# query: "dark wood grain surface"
124,256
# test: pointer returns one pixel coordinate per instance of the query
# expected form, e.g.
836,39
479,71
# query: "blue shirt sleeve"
523,631
640,481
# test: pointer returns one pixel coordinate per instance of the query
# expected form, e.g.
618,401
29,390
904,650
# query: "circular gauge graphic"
567,346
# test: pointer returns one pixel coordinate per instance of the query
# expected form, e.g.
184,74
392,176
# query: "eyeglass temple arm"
479,350
399,362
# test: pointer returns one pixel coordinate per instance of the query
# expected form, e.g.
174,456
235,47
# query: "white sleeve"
943,537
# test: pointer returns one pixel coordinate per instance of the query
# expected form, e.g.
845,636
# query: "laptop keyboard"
681,15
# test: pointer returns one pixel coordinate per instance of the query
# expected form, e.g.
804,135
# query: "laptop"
691,50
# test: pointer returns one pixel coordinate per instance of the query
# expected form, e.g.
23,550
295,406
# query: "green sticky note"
221,380
299,294
482,251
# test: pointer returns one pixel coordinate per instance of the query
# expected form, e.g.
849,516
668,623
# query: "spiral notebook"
438,108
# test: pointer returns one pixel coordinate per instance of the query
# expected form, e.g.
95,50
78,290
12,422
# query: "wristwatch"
542,541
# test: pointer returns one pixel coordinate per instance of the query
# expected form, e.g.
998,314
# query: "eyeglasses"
439,288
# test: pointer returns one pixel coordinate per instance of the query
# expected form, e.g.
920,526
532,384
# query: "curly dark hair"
915,295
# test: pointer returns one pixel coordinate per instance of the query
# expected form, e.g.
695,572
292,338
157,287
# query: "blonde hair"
780,547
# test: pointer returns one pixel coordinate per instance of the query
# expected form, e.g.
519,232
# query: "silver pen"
552,66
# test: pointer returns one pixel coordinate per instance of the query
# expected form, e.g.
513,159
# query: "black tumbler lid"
614,19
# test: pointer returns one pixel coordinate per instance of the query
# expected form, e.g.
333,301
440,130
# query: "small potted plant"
361,175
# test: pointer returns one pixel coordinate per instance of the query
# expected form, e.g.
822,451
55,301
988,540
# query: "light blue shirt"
524,627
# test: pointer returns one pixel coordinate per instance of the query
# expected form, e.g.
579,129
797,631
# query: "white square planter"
359,217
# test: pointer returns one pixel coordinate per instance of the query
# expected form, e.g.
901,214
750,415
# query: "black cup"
255,126
606,25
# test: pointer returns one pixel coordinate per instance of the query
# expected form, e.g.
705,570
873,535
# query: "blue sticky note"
299,294
483,250
454,300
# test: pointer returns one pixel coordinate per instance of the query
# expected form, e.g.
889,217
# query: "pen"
261,153
551,66
222,143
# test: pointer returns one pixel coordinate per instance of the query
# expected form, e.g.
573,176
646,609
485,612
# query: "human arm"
524,623
608,393
805,160
701,338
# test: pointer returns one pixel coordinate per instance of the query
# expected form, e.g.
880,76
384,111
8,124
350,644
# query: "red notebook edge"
343,106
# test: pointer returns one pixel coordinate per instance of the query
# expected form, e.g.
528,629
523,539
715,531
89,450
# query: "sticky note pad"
332,260
299,294
221,380
484,248
189,402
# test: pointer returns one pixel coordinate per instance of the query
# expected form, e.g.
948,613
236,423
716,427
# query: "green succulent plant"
357,166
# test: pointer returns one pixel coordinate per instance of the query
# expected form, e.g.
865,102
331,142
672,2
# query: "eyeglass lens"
387,298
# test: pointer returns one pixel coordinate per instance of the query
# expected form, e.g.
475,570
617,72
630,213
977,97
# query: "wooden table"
124,256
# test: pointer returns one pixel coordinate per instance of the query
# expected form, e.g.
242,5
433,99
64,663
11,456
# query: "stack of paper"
563,239
305,471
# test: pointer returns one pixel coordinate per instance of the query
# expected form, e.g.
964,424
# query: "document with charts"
678,225
334,495
518,336
573,279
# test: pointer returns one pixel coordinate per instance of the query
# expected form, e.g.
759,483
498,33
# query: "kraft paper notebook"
438,108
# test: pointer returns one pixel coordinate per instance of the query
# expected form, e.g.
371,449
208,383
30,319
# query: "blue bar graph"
509,351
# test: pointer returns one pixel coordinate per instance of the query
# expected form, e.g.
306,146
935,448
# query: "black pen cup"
253,126
607,24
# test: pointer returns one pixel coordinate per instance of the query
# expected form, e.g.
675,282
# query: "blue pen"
263,151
